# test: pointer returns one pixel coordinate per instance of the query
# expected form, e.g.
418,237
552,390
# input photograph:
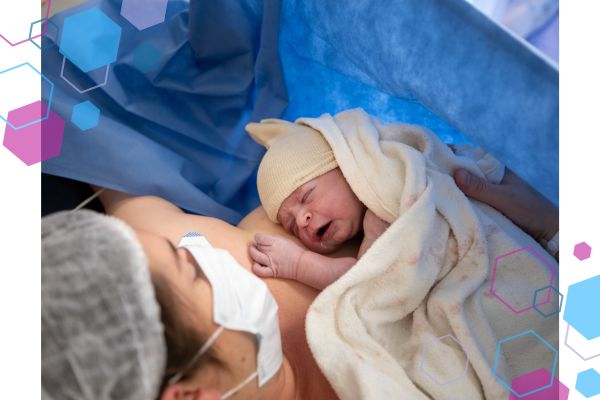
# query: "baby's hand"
373,227
275,256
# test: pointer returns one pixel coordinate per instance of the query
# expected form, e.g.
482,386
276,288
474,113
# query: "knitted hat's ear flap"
268,130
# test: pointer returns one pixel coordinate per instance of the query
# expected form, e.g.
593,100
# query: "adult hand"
514,198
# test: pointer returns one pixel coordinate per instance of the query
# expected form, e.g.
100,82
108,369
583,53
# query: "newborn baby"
302,188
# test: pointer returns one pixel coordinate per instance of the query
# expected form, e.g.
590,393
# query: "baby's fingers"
258,256
264,239
262,270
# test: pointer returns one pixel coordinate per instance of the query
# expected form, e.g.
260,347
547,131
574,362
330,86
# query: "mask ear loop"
175,378
89,199
231,392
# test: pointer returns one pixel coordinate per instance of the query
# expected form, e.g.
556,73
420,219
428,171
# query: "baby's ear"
268,130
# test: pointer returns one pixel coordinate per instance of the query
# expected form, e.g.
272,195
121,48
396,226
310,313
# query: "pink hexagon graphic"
428,366
528,382
535,272
582,251
37,142
144,13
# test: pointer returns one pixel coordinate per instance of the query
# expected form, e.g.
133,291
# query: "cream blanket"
414,318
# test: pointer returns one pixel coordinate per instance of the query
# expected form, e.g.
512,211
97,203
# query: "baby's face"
323,213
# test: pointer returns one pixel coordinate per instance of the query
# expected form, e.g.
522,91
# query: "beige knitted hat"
295,155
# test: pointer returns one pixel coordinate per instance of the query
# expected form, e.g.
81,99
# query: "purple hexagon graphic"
529,382
144,13
535,272
582,251
37,142
75,77
428,367
585,348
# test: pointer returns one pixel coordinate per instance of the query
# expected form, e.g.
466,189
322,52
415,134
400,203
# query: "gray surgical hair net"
101,332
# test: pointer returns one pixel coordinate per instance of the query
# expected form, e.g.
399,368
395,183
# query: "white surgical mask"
241,302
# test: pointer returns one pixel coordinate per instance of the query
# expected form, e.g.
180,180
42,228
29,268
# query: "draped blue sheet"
178,132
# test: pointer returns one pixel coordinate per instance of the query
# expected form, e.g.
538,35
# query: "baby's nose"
303,219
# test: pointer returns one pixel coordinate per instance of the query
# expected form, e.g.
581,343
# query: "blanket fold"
417,317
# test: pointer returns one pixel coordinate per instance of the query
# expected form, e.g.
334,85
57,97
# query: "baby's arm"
278,257
373,227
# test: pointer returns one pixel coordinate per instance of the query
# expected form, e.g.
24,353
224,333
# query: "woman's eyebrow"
199,272
174,252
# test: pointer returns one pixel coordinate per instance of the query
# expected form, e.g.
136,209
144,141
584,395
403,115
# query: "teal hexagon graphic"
146,58
547,301
582,304
85,115
90,39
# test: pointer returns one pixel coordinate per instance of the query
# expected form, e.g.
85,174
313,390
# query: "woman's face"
233,353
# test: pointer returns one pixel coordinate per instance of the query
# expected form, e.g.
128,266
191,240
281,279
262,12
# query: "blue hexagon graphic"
507,385
85,115
588,383
582,304
146,58
90,39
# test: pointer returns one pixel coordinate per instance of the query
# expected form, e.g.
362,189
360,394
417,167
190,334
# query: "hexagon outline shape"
422,361
573,349
493,275
560,302
44,31
62,75
29,38
45,117
497,361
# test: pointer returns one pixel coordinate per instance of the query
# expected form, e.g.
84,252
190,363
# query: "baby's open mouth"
322,230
